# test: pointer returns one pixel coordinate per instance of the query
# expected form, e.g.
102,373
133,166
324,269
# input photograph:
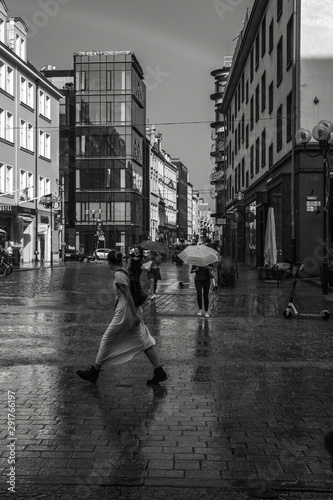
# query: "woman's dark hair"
115,257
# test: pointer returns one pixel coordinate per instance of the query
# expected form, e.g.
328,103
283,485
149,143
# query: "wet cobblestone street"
242,415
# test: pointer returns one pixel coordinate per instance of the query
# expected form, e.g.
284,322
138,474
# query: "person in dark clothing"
135,263
203,275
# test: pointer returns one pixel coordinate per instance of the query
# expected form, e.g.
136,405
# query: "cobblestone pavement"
242,415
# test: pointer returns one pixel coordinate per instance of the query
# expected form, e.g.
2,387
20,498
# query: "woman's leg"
155,286
198,286
206,287
159,373
152,285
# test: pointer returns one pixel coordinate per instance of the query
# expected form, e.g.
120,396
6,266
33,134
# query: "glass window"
279,62
289,116
9,179
263,91
2,177
263,148
263,36
270,97
10,127
279,123
290,41
257,154
271,37
10,81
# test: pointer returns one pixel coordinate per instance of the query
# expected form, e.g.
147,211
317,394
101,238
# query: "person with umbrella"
203,276
201,257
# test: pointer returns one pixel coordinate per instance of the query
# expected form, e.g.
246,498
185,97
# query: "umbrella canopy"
153,246
270,253
199,255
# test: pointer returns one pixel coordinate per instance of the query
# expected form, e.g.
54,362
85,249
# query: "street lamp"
323,134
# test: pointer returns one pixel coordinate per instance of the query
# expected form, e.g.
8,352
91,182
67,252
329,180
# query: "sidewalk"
242,415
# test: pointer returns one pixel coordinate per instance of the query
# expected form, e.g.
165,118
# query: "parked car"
73,254
102,253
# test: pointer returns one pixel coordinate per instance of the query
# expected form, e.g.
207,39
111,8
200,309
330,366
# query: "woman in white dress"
127,335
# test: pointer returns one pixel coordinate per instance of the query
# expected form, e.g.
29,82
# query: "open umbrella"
153,246
270,254
199,255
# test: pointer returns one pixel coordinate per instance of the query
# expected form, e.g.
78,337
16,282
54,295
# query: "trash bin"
16,257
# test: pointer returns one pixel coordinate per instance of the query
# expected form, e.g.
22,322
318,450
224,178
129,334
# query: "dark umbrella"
153,246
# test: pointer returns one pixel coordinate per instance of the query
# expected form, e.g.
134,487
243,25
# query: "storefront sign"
217,175
312,203
6,208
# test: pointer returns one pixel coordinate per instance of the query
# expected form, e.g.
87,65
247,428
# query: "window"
251,113
236,141
279,62
271,37
44,145
23,184
263,36
289,116
41,187
23,134
270,156
243,172
30,95
243,129
257,102
270,97
10,80
251,64
263,148
236,103
44,105
2,75
26,135
257,154
30,186
243,87
23,89
247,136
247,91
2,123
251,161
2,177
290,42
2,31
9,127
278,10
257,42
263,91
279,128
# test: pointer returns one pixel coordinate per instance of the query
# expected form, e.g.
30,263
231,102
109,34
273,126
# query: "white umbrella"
199,255
270,253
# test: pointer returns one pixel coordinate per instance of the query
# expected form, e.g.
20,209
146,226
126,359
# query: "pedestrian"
154,274
202,278
127,335
135,263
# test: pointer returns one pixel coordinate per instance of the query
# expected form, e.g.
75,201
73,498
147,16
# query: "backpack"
139,296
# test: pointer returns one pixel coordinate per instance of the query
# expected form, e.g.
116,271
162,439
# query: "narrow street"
242,415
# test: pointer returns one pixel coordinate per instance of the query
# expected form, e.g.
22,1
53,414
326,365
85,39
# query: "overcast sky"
177,42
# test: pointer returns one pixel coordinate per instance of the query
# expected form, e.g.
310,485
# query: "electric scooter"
291,310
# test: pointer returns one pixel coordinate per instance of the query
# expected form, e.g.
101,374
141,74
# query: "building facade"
29,158
163,191
277,84
105,160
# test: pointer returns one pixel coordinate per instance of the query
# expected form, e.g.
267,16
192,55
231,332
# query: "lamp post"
323,134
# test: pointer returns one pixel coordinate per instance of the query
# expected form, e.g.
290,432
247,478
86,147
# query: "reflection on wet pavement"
247,401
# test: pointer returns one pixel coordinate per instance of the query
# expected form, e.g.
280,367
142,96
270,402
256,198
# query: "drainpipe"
36,170
295,120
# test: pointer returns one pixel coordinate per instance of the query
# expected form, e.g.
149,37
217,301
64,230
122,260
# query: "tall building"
163,191
104,152
278,83
182,200
29,153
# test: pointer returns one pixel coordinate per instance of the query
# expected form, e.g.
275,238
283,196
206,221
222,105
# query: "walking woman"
203,275
154,274
127,335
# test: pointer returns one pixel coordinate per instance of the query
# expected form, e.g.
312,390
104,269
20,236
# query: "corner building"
278,83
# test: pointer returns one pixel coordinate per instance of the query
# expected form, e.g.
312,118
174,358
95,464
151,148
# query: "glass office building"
110,126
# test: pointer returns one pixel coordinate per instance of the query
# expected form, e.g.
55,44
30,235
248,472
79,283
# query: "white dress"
122,340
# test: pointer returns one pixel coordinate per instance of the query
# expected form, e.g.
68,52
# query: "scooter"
291,310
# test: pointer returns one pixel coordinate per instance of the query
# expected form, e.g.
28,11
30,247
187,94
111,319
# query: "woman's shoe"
199,313
206,315
159,376
90,375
